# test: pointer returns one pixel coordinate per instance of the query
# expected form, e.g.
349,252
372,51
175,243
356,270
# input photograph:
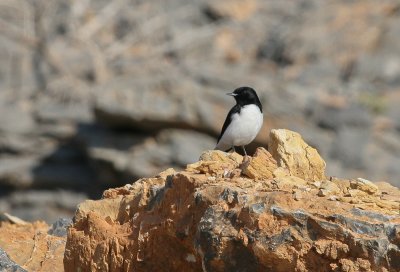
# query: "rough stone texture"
30,247
261,166
227,208
290,151
7,265
327,69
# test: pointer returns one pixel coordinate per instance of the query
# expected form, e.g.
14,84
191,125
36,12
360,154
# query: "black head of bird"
246,96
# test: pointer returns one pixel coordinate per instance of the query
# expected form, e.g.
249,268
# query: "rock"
16,117
62,131
8,265
62,175
234,9
382,65
307,61
336,117
49,110
216,163
97,136
52,166
43,205
343,149
59,228
389,192
365,186
30,247
275,48
329,188
156,103
220,156
392,99
288,183
262,165
171,147
12,219
110,165
108,152
381,163
185,146
297,195
17,171
212,214
119,157
20,144
313,70
290,151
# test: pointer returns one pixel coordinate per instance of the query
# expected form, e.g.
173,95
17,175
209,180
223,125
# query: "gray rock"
171,148
210,237
97,136
62,131
74,175
193,55
16,118
17,145
216,222
108,152
380,67
392,170
44,205
7,265
335,118
53,164
51,110
17,171
59,228
110,165
392,109
125,105
119,158
382,164
185,146
349,146
275,48
65,153
150,105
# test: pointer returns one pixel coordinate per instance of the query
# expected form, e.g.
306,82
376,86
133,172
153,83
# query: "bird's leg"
244,150
246,160
233,148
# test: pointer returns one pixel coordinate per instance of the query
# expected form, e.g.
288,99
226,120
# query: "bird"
243,121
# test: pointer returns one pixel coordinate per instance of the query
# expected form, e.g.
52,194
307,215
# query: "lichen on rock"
275,211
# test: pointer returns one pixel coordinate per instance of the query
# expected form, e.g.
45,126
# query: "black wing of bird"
235,109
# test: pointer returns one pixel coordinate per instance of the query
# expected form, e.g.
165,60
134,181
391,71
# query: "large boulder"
271,212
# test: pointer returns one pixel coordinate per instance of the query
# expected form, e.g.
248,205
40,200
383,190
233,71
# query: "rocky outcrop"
32,246
275,211
100,105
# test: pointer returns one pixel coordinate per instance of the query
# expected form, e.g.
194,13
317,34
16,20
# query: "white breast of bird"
244,126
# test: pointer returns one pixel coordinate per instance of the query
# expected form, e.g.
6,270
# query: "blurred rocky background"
95,94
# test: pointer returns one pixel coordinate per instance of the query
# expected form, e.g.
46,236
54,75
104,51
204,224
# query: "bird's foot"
245,162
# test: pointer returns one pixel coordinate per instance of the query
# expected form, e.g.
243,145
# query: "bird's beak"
231,94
